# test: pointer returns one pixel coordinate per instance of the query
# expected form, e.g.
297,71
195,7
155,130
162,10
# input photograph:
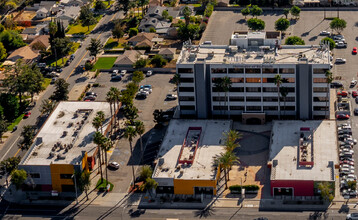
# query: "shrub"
133,32
237,188
332,44
294,40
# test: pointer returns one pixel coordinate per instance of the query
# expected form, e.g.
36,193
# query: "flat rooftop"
257,34
220,54
69,127
209,147
284,154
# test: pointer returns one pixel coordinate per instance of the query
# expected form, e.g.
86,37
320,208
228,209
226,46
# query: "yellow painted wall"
85,163
56,170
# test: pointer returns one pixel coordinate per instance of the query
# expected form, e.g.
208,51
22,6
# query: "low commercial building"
64,145
185,164
302,155
252,64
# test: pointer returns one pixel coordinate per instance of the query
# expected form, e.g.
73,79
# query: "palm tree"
129,134
226,85
110,100
96,123
102,118
231,140
284,93
218,85
278,82
47,106
140,129
145,172
98,139
116,94
149,185
106,146
329,77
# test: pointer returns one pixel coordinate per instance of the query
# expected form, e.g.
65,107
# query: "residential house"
41,41
44,9
155,3
128,58
167,53
78,3
69,13
142,40
222,3
25,53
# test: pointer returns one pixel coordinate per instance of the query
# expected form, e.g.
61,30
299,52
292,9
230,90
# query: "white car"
113,164
146,89
149,72
340,60
346,150
114,73
352,216
347,166
123,72
172,96
325,33
353,82
347,170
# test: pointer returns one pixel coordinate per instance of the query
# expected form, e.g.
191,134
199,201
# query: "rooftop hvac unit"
61,157
52,154
161,161
233,49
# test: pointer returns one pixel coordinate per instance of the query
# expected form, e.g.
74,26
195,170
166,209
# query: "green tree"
3,53
10,164
18,178
286,12
95,47
186,13
231,140
124,5
15,81
149,185
88,66
87,17
130,112
152,30
165,14
129,134
3,126
329,78
27,135
225,162
256,24
143,3
84,182
137,76
294,40
245,11
47,106
11,104
140,63
282,24
278,81
329,40
256,11
338,25
145,173
186,32
117,31
98,139
295,11
116,99
158,61
106,146
34,80
61,90
62,46
326,191
140,129
99,5
11,40
133,32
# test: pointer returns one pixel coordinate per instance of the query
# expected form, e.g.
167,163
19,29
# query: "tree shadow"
241,21
204,213
313,38
356,24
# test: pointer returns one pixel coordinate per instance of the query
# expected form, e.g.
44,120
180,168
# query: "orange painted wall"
56,170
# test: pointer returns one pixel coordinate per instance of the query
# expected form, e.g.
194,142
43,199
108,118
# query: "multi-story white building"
252,71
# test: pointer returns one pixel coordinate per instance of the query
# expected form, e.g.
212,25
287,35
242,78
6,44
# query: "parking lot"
156,100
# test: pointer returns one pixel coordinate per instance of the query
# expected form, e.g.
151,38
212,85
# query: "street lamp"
74,179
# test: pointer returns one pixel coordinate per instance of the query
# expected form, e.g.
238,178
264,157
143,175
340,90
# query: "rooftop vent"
61,157
161,161
52,154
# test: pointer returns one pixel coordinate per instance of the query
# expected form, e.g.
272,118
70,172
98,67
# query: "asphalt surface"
70,73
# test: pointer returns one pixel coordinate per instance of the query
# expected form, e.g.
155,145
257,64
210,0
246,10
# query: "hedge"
237,188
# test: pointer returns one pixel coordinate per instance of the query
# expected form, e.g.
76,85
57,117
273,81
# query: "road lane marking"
9,149
17,152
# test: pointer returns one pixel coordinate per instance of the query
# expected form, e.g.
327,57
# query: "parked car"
146,89
27,114
53,74
341,44
353,83
324,33
356,111
346,162
114,73
113,164
89,98
346,150
342,116
123,72
53,80
345,131
149,73
352,216
342,93
336,85
354,51
141,95
91,94
347,166
354,94
171,96
116,78
72,57
145,86
340,60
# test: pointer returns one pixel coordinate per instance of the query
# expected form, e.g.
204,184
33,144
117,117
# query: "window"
218,70
186,89
319,80
288,108
288,80
253,80
253,99
186,98
252,70
186,80
253,89
236,70
320,108
35,175
219,107
253,108
270,99
287,70
268,80
290,89
185,70
187,107
319,89
270,108
66,176
219,99
237,108
288,99
236,99
236,89
237,80
269,70
320,99
270,89
319,71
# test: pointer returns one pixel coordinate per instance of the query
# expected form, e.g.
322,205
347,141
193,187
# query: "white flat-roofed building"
302,154
252,72
186,156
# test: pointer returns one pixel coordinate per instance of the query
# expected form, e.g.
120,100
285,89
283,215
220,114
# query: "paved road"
70,73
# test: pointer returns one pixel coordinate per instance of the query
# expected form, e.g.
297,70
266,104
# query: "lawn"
106,3
113,44
103,186
79,29
104,63
16,122
52,62
46,82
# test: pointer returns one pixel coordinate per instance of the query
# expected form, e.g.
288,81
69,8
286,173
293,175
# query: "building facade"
252,73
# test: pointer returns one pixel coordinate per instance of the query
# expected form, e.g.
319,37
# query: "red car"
342,93
354,94
342,116
346,162
354,51
27,114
